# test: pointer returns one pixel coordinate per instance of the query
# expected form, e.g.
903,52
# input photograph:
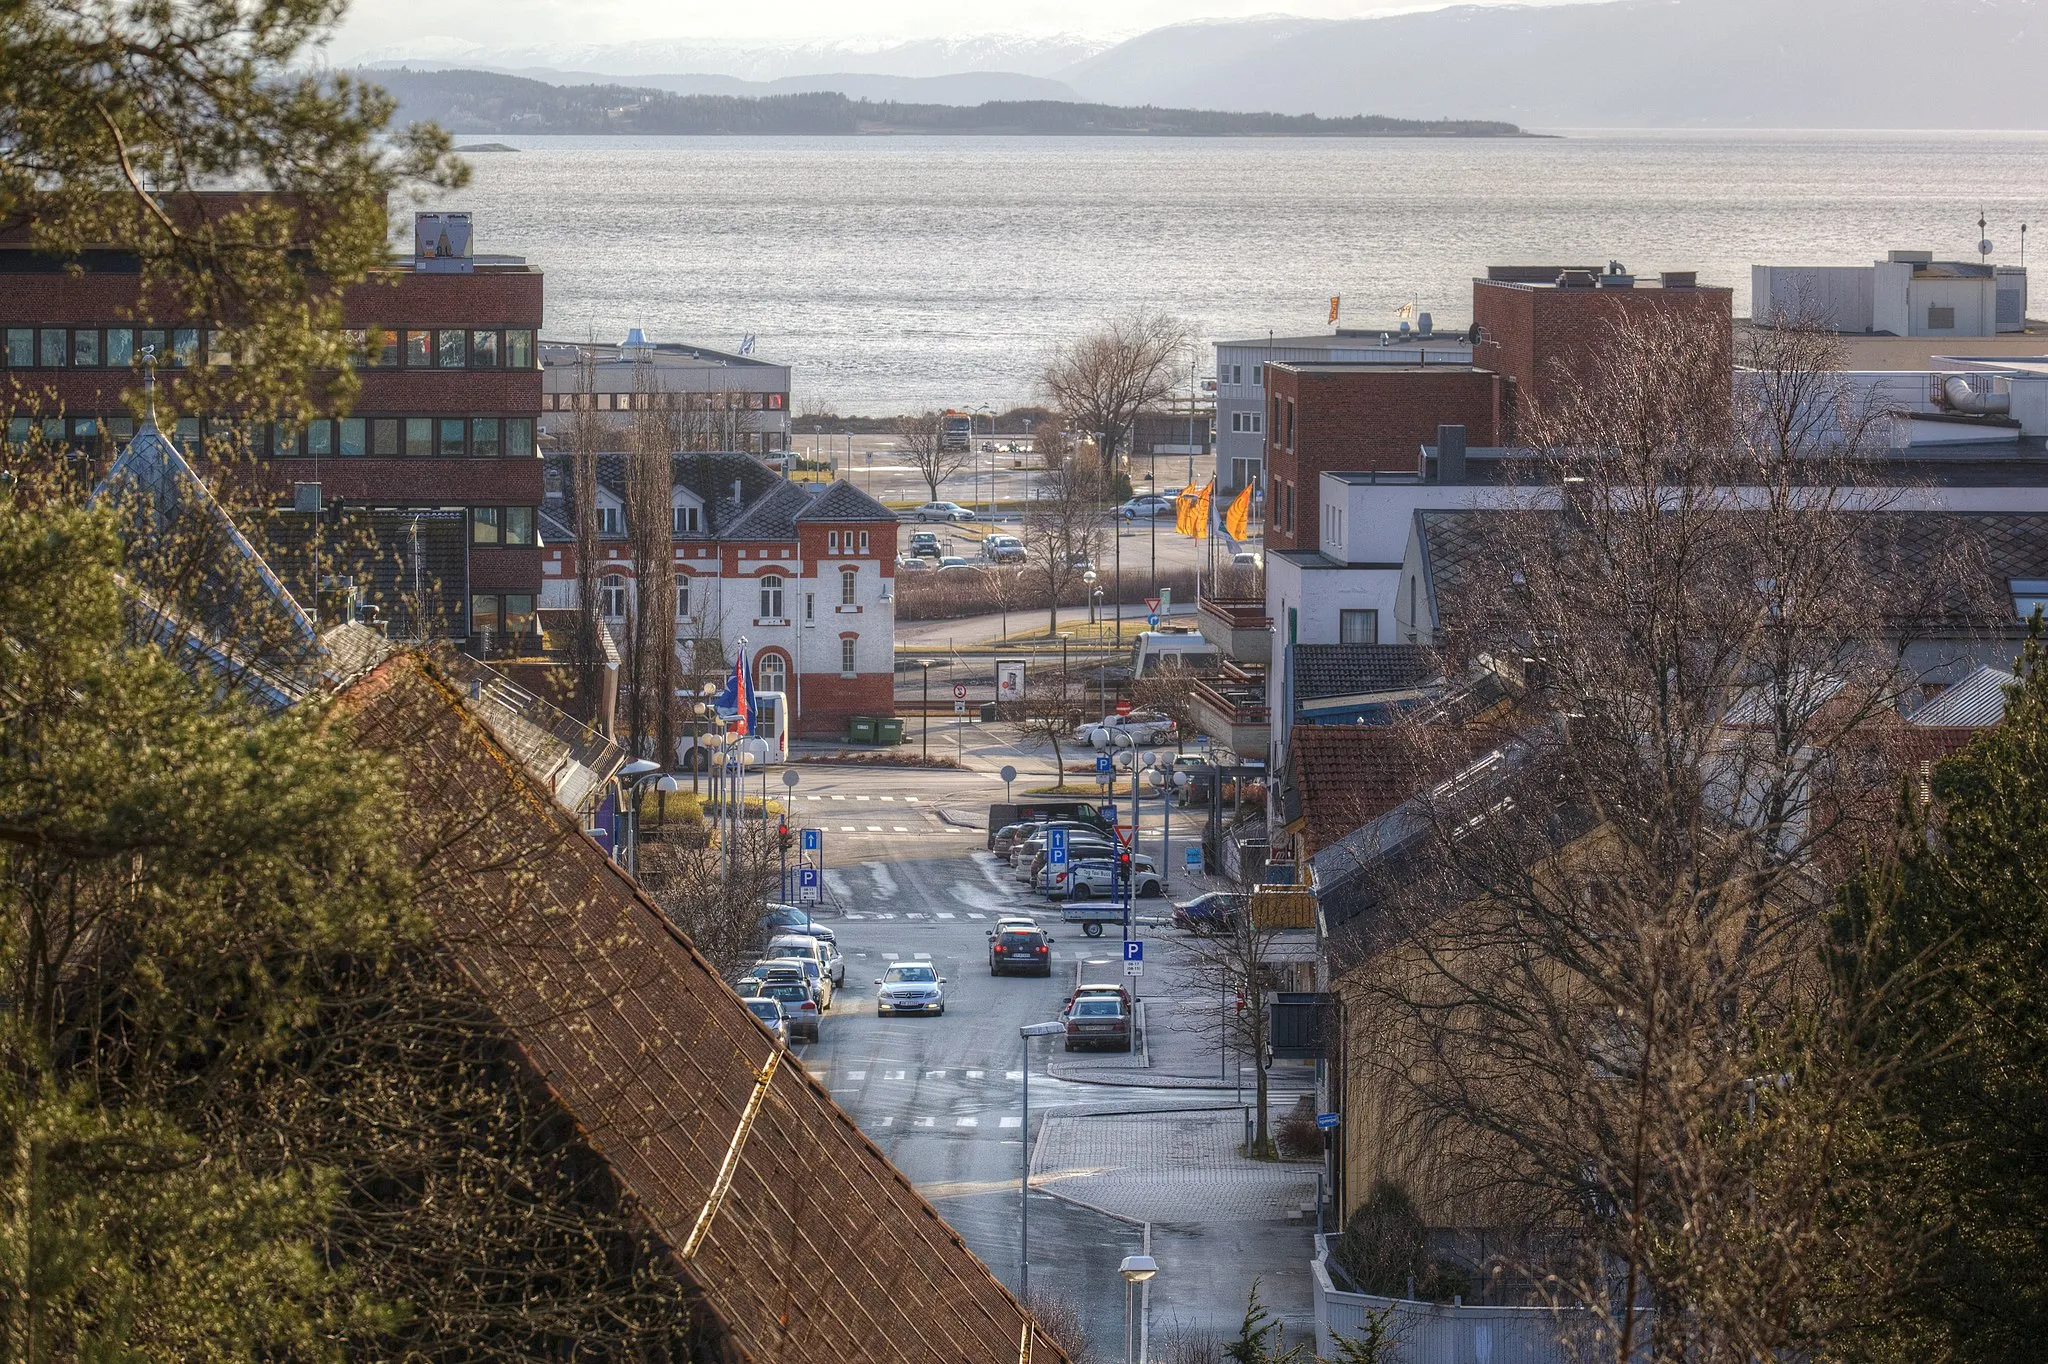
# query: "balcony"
1231,708
1239,626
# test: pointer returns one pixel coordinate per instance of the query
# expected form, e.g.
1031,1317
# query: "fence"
1441,1333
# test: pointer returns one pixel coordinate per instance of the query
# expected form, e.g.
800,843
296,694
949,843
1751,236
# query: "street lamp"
1027,1032
1088,581
636,775
1136,1269
926,664
1152,515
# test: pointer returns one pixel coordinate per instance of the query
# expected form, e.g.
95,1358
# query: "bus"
771,725
956,431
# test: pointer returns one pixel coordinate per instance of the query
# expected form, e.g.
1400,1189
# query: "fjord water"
898,273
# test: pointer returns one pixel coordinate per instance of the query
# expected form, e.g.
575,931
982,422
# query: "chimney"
1450,454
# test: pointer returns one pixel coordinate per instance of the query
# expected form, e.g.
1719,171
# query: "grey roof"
1325,670
767,506
844,502
773,517
1976,702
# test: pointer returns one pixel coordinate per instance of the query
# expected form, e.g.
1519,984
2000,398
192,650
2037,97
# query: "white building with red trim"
804,574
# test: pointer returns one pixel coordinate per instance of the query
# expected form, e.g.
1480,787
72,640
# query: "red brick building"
802,576
1331,417
435,466
1544,328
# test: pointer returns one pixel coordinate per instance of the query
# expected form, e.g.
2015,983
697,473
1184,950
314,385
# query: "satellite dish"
1984,247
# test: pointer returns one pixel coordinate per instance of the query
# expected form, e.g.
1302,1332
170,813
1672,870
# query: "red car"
1099,1020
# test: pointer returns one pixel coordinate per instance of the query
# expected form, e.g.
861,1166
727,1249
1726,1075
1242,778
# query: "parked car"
924,544
1127,731
1080,562
795,919
954,563
942,511
911,563
826,954
1215,911
1145,506
800,1012
809,971
1098,1020
1097,879
1013,947
1039,877
1038,830
1003,549
769,1012
1080,843
1080,992
910,987
1247,558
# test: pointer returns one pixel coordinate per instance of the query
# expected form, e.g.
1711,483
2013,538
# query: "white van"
771,724
1183,648
810,948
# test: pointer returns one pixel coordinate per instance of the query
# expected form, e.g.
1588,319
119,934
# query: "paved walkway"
1177,1169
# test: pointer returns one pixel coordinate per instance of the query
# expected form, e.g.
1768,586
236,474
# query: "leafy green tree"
1962,915
115,115
172,865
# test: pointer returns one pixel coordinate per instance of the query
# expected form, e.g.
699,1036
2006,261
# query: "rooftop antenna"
1983,242
2023,246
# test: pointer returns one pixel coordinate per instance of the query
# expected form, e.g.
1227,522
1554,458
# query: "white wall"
1837,296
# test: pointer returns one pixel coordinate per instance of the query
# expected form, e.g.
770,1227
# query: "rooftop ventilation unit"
1679,279
637,346
441,244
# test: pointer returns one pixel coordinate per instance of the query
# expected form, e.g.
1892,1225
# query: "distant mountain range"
486,102
1625,63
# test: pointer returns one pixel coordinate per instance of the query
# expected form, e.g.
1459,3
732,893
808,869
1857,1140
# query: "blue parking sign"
1102,763
808,889
814,840
1109,813
1133,950
1056,847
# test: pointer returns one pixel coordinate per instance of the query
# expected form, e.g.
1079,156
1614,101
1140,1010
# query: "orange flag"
1237,518
1198,516
1184,509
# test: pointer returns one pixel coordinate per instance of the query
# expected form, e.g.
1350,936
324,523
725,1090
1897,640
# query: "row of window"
1252,422
190,347
612,590
345,437
643,402
501,526
1258,375
505,616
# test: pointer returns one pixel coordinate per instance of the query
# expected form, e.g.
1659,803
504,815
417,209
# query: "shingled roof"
1326,670
804,1242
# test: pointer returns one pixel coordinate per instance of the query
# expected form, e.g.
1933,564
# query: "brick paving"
1175,1168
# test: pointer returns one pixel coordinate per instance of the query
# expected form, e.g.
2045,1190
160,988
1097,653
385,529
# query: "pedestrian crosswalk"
886,800
913,914
970,1105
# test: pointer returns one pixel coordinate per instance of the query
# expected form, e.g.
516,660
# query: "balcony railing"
1237,613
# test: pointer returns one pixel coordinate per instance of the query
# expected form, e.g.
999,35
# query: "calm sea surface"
903,272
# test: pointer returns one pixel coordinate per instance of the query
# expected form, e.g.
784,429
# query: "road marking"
814,798
910,800
935,1075
942,914
874,828
884,882
861,797
856,1075
895,1075
846,828
839,797
858,916
967,1122
845,1091
1013,1075
901,830
888,797
924,1122
889,915
1013,1121
889,956
914,914
970,914
920,956
885,1122
976,1074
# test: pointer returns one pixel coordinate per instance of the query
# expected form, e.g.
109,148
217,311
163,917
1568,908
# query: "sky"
385,27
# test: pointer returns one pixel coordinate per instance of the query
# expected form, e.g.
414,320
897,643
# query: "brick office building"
435,469
802,576
1324,417
1545,327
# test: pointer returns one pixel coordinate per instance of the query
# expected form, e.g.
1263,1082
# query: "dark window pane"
518,350
518,619
185,347
419,349
484,437
85,347
53,430
21,347
519,437
320,439
454,349
518,525
153,342
188,435
484,524
453,430
18,429
285,441
53,347
419,437
352,434
483,615
120,346
483,350
384,437
383,347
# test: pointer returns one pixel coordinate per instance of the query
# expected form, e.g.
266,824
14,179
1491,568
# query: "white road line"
814,798
895,1075
924,1122
914,914
847,828
858,916
889,956
901,830
884,882
885,1122
856,1075
935,1075
861,797
910,800
976,1074
890,915
874,828
888,797
942,914
920,956
839,797
845,1091
1013,1075
1013,1121
970,914
967,1122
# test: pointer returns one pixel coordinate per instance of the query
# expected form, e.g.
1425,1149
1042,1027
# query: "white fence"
1439,1333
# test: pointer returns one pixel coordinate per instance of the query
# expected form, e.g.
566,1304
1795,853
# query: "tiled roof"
1324,670
773,517
819,1249
709,476
844,502
1347,775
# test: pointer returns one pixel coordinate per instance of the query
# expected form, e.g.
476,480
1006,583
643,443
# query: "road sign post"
1056,847
809,886
1134,949
1103,767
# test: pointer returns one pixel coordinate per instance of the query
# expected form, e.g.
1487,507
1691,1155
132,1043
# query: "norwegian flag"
736,703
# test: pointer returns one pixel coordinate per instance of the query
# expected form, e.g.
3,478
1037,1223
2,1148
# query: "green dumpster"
860,729
988,712
889,731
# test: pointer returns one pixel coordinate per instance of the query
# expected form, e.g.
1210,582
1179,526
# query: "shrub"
1385,1246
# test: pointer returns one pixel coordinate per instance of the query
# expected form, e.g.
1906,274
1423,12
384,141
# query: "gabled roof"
844,502
804,1242
1975,702
773,517
1343,776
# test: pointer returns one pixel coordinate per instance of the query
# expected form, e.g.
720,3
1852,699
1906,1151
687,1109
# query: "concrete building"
1241,381
1909,293
728,401
801,576
432,478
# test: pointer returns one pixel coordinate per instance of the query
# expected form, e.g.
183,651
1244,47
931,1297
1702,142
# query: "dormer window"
2028,596
687,520
611,516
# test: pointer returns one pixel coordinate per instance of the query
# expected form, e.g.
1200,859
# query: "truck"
956,431
1156,649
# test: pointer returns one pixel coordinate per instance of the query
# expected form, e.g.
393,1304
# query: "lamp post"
1088,582
1135,1270
636,775
1027,1032
926,665
1152,515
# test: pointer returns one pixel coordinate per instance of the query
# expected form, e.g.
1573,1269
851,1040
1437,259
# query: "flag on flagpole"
1335,299
1406,310
1199,517
1237,519
735,705
1184,509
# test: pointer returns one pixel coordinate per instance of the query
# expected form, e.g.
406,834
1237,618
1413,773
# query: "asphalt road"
942,1096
